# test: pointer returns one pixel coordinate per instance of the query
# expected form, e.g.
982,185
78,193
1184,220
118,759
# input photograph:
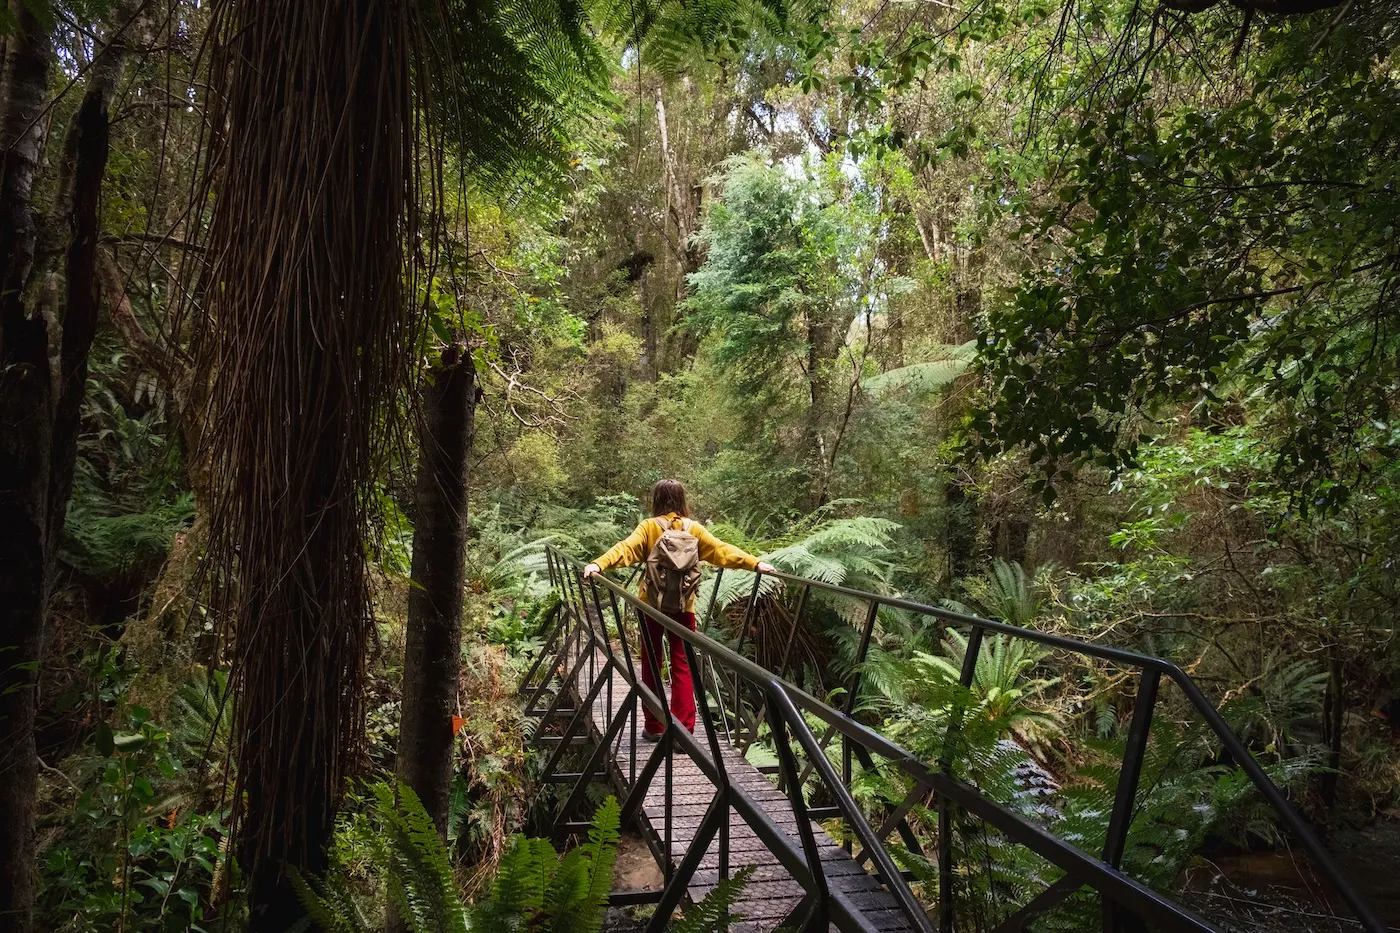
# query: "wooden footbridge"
708,813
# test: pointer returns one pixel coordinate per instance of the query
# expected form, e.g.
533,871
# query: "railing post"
866,632
945,806
749,615
703,708
670,747
665,744
792,631
607,640
1116,839
750,612
787,762
578,584
620,619
714,598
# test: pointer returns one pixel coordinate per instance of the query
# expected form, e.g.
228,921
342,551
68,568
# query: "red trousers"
682,687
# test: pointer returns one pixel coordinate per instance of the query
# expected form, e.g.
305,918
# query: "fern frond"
710,913
429,865
948,364
522,878
578,896
603,836
326,912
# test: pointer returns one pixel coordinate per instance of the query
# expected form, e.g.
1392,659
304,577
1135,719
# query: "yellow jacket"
635,548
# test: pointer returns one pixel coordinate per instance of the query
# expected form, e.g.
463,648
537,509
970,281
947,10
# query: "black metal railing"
590,653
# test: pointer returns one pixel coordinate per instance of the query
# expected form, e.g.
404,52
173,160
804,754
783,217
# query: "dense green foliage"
534,887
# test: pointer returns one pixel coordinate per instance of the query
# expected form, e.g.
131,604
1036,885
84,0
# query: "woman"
668,502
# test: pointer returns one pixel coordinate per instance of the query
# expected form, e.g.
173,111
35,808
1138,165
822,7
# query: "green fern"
717,906
521,882
844,551
949,363
534,888
1007,593
329,904
1005,697
202,715
578,892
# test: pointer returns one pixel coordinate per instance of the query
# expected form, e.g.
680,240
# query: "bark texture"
39,407
313,170
433,648
26,412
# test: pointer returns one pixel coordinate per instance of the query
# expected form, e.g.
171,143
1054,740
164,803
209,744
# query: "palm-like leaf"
947,365
842,551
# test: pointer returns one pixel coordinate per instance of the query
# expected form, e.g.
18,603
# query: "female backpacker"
672,545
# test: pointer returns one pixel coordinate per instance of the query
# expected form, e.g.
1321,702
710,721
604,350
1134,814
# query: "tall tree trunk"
1333,726
314,170
433,650
81,303
684,203
651,365
26,413
39,411
680,203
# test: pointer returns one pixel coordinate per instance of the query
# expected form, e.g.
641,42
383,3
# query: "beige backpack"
673,567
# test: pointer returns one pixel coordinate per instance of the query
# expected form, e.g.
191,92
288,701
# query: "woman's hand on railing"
763,567
592,570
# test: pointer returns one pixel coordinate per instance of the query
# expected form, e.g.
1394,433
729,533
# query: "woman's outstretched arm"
723,554
630,550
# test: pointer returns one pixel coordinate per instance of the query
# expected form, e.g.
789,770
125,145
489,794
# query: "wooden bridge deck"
771,893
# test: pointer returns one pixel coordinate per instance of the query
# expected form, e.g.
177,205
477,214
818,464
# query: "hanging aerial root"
309,322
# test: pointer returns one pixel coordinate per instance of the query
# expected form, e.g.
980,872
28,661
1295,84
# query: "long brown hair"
668,496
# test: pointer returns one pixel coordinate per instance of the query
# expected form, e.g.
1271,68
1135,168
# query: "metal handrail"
786,703
1236,749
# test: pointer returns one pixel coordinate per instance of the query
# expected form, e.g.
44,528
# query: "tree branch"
1272,7
145,347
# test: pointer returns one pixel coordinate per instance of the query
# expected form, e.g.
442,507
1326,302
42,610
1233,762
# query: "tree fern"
523,83
1006,592
1004,694
949,363
516,567
671,35
843,551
